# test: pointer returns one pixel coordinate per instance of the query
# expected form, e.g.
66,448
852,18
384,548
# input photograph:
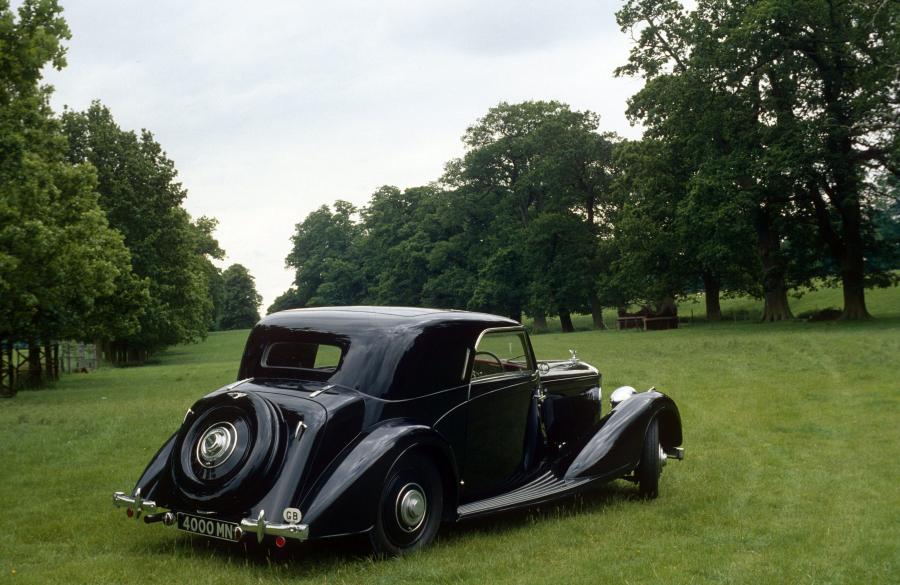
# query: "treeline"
94,242
769,164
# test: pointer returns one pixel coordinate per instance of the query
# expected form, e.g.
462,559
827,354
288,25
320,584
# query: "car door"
503,382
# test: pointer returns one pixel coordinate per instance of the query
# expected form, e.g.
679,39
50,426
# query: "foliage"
322,243
289,299
788,106
511,227
141,196
59,260
240,301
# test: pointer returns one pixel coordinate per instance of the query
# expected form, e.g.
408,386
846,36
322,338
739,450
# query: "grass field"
792,437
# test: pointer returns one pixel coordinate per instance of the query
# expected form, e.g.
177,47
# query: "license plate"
208,527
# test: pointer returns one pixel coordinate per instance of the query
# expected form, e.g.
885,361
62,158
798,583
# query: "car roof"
329,318
390,351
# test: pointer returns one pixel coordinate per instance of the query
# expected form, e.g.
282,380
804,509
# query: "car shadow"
316,557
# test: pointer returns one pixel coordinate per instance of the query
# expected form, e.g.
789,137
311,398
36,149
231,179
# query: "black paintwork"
403,383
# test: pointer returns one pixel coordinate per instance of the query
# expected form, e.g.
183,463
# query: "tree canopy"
240,301
786,111
60,262
142,198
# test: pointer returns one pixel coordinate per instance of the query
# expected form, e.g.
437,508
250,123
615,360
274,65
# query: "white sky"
271,110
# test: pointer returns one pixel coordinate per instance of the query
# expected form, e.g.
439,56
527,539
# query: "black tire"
396,533
650,467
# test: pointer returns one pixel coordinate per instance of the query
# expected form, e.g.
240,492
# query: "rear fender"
615,448
153,483
346,499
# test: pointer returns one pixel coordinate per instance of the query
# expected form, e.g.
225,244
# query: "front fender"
345,501
615,447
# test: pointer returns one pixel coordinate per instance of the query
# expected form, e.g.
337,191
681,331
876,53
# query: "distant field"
882,302
792,435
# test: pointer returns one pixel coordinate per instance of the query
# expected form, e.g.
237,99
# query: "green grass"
881,302
792,436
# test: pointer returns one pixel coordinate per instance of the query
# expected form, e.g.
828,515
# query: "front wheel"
652,461
409,511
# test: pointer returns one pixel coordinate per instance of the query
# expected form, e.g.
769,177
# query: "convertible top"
393,353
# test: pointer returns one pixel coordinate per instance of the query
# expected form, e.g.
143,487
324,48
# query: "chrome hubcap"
216,445
662,458
411,507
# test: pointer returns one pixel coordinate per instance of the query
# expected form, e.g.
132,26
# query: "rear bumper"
138,506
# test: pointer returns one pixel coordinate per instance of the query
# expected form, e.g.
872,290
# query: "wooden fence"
25,365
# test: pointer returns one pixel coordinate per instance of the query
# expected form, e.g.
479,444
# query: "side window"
501,352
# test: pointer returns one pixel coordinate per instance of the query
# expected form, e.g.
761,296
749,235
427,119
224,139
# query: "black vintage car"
388,421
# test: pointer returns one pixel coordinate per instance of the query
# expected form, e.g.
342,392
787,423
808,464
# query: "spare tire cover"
227,452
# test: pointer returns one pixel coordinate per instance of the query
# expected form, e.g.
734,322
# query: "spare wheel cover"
225,453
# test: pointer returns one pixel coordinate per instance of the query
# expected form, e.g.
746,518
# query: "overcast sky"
271,110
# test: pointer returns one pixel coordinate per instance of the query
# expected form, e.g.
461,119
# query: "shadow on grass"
317,557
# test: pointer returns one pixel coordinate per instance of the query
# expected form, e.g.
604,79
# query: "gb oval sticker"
291,515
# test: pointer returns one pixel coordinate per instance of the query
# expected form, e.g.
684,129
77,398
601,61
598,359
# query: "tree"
791,106
289,299
58,257
322,255
142,199
240,302
524,160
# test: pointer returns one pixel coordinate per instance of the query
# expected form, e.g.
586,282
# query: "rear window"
302,355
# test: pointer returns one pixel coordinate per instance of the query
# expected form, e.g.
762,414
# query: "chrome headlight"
621,394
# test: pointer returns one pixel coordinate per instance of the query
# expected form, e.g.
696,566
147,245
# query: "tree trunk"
34,365
135,356
8,387
775,307
540,323
666,307
597,313
853,265
48,361
712,288
854,298
565,321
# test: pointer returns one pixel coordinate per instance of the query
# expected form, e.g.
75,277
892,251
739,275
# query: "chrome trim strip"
497,329
234,385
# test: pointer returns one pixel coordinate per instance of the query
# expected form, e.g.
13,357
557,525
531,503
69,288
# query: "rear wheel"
409,511
650,467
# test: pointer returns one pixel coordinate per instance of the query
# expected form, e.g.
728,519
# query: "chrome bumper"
135,503
260,526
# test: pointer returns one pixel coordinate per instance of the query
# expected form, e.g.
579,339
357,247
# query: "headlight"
621,394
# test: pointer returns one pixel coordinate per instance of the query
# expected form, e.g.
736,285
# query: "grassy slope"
791,432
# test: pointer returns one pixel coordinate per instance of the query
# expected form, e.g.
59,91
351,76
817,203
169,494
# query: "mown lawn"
792,436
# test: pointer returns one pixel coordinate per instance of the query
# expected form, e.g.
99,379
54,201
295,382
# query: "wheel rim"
411,507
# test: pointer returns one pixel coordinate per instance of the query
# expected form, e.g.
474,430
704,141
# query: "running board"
543,488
